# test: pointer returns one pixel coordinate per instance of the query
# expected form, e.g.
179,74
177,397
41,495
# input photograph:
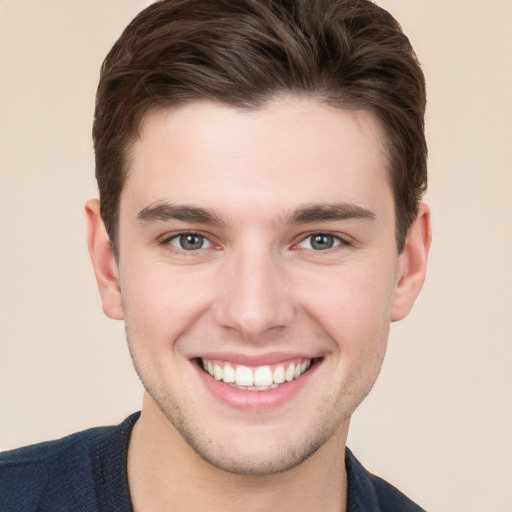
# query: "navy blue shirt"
86,472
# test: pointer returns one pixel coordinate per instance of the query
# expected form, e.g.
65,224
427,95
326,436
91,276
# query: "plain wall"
438,424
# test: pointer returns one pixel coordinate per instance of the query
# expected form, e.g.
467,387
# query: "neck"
164,472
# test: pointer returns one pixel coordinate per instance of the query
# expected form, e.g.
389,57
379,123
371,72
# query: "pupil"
322,242
190,242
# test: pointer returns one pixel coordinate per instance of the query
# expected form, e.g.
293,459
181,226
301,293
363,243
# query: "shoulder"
369,492
390,498
51,474
30,474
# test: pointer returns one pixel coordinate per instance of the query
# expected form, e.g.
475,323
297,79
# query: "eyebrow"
305,214
186,213
310,213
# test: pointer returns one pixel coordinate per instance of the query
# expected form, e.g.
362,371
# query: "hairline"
250,107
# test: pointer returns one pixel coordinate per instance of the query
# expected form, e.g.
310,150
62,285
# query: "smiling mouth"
259,378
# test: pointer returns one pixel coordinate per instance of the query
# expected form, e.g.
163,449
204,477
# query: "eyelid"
169,237
206,243
343,240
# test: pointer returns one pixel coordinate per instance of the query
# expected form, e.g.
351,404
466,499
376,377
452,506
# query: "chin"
254,450
262,459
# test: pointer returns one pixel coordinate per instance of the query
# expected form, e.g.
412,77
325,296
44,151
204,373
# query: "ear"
103,261
412,264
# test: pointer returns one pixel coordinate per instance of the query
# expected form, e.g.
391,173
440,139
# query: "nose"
254,297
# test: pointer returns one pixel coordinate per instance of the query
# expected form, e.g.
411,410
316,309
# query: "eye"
320,242
189,241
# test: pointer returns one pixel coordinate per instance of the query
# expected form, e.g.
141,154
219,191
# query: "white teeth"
279,374
289,374
263,376
243,376
217,372
229,374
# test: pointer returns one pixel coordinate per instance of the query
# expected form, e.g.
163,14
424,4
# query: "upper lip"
255,359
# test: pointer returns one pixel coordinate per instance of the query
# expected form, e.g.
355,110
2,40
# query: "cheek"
160,304
353,305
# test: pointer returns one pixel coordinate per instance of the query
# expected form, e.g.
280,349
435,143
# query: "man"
260,166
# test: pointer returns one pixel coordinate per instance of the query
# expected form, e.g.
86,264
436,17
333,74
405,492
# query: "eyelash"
338,242
175,236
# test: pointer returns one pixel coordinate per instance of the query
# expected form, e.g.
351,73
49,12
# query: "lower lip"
255,400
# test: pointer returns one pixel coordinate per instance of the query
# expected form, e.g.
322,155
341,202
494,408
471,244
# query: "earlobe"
103,261
412,264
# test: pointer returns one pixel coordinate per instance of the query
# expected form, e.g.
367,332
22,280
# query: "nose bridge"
254,297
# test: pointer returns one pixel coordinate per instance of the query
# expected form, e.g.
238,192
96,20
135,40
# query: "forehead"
291,151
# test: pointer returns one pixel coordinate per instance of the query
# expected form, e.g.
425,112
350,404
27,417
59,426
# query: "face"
258,275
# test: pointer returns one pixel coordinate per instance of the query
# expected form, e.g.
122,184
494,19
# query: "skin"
256,287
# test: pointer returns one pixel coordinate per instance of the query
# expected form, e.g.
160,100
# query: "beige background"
439,421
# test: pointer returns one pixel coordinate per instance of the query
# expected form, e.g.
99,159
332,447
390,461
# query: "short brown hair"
349,53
